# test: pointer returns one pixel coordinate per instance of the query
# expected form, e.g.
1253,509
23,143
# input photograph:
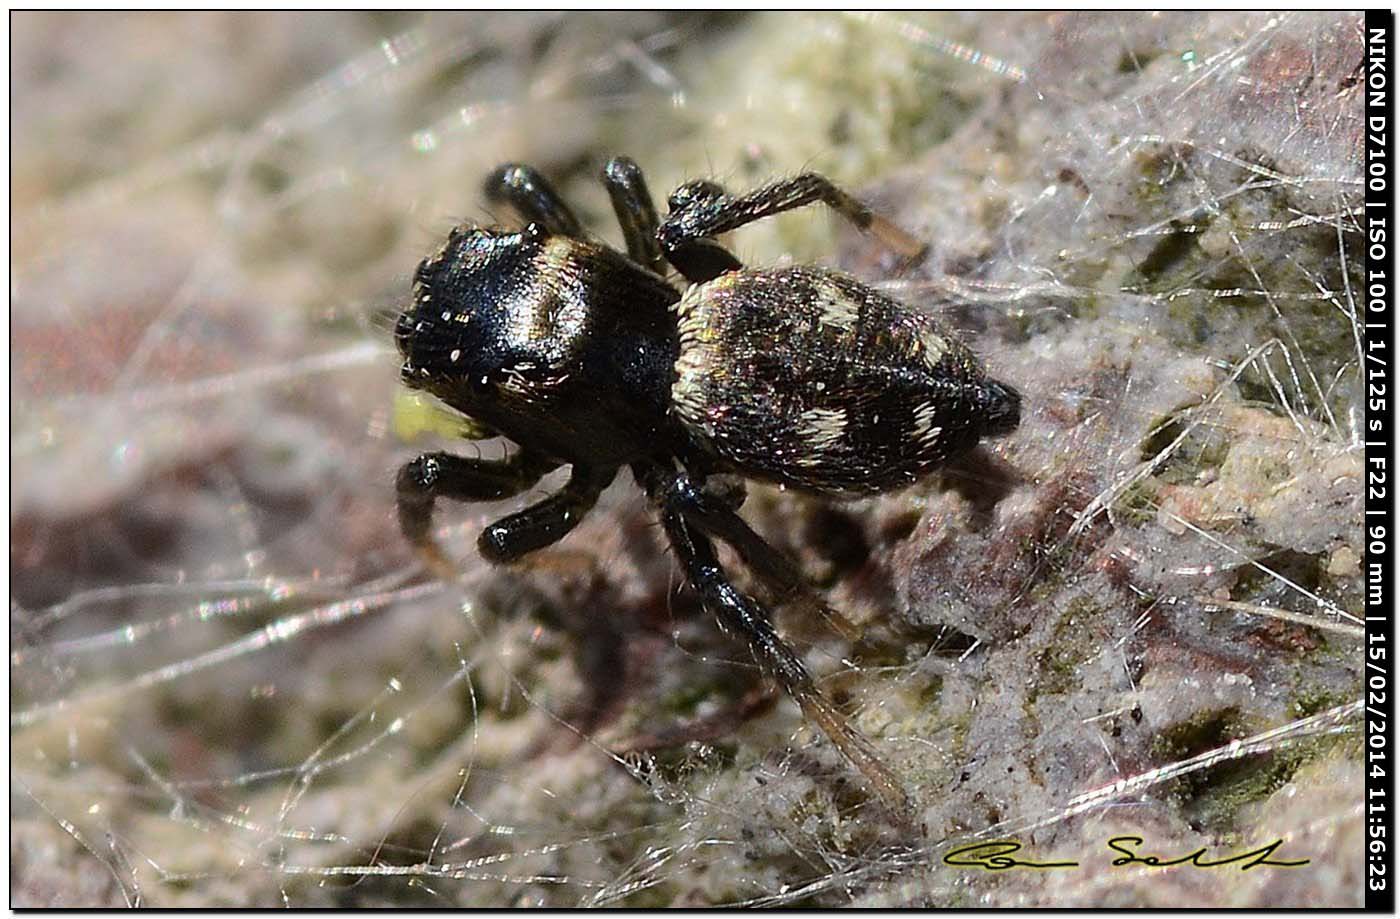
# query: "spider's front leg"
441,475
547,521
636,213
740,614
532,197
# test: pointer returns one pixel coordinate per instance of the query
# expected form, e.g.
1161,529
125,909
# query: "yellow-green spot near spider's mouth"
417,414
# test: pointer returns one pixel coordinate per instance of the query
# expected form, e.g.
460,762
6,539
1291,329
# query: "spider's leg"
531,195
697,257
441,475
741,614
697,213
547,521
700,260
635,211
714,514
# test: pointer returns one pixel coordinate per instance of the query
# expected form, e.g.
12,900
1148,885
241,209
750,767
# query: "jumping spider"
799,376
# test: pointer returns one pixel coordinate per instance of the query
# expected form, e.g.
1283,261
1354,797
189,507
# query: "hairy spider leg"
715,516
441,475
713,511
699,214
698,259
739,613
546,521
636,213
532,197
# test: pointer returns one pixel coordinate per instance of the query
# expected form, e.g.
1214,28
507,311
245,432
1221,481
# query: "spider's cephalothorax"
583,356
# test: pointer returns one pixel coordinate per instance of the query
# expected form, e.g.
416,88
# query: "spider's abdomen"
811,379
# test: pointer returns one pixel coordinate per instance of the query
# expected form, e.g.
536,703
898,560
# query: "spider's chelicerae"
581,355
